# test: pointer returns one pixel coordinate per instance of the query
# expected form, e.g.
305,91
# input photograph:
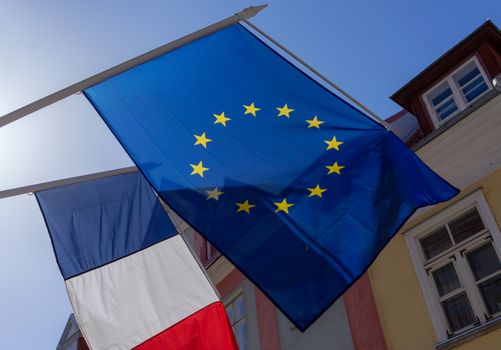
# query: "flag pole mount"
250,12
243,15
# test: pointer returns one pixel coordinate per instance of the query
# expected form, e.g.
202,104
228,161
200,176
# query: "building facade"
437,285
438,282
72,338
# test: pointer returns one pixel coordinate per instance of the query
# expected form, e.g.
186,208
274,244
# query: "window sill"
469,334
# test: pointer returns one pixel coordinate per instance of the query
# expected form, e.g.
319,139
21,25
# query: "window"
457,259
470,81
205,252
70,346
209,250
457,91
209,253
236,314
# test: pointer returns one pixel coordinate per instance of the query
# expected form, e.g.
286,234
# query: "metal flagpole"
320,75
63,182
84,84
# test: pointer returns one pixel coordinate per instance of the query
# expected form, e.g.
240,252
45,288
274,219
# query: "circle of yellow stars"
251,109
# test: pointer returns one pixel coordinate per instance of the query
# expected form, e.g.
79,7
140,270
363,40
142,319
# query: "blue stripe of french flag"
131,279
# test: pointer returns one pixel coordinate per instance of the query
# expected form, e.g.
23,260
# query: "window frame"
460,101
229,300
463,270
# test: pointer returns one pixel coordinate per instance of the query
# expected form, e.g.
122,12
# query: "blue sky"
370,48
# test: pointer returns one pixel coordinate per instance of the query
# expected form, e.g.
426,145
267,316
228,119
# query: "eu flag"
294,186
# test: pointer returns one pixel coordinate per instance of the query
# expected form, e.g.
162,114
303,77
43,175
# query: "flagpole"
86,83
64,182
320,75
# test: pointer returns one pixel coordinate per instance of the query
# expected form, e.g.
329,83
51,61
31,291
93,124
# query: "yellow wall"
490,341
402,309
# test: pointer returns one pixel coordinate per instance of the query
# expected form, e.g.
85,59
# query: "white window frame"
476,199
456,93
230,299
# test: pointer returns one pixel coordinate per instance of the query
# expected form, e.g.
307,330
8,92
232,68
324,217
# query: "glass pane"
466,74
483,261
446,279
491,292
466,225
208,250
440,94
241,335
473,84
458,312
476,92
239,307
471,81
446,105
436,242
444,114
229,312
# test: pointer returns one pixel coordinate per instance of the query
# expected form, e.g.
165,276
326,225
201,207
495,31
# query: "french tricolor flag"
131,279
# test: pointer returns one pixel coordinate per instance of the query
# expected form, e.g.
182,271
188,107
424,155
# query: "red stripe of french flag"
208,328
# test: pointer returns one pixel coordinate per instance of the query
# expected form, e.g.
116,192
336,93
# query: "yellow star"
314,123
245,206
221,119
198,169
202,140
251,109
317,191
335,168
214,194
283,206
285,110
333,144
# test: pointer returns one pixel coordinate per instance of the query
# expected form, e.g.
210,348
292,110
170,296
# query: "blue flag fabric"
294,186
94,223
